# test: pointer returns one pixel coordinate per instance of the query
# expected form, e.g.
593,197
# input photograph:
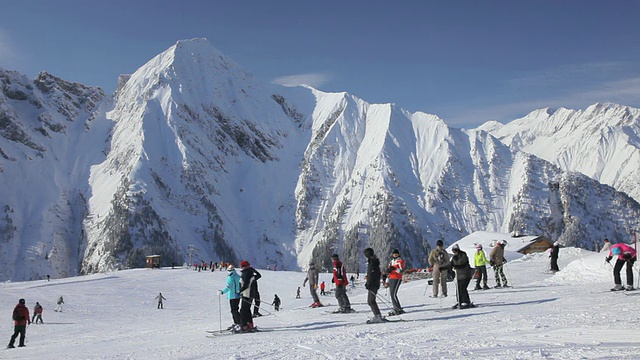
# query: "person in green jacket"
480,261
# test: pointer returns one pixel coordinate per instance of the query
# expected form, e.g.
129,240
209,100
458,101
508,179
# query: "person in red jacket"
340,279
37,313
21,319
395,270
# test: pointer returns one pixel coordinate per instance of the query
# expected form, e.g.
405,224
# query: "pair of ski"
216,333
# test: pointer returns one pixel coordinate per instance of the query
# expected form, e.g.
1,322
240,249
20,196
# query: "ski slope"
569,315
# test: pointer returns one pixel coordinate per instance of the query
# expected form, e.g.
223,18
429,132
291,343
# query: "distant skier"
37,314
554,257
160,298
276,302
232,289
322,286
298,293
439,260
59,304
372,285
606,246
21,319
353,281
460,262
312,278
626,255
395,270
341,282
247,278
497,261
480,261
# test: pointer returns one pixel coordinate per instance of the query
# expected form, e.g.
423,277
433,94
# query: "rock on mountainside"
195,160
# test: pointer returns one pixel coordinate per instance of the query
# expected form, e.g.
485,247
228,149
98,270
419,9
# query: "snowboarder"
439,260
395,270
160,298
247,278
372,284
480,261
276,302
626,255
554,257
59,304
606,246
497,261
341,282
460,263
312,278
21,319
322,285
37,313
233,295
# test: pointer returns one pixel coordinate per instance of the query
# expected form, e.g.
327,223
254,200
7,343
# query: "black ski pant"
394,285
554,264
18,330
482,275
463,293
245,312
256,303
616,271
343,299
234,304
371,300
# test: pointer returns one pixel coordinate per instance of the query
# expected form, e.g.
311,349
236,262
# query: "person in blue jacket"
233,294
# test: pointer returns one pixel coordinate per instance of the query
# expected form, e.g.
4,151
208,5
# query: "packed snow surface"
569,315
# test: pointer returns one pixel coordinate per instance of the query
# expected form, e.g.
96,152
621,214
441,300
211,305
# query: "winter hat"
439,243
479,246
396,251
606,240
244,264
230,268
368,252
503,242
616,251
334,256
21,301
556,243
312,265
455,247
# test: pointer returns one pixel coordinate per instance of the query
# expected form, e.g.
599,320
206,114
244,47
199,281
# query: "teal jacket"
233,286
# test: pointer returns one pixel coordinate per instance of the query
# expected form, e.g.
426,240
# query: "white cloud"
314,80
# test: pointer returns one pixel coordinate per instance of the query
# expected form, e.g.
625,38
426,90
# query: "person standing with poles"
233,295
460,262
497,261
312,278
439,260
396,268
21,320
480,261
372,284
626,255
247,278
341,282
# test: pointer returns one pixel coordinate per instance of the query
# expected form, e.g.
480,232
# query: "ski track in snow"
569,315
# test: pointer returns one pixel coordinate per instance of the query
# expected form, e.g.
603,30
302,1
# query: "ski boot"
377,319
629,288
618,287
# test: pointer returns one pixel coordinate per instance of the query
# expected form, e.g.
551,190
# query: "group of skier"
242,292
21,318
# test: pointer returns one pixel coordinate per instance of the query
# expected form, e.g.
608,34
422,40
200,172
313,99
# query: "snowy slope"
570,315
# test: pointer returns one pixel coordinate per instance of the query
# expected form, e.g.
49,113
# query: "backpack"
17,316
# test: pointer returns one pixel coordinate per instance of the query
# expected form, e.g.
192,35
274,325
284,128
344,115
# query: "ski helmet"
616,251
503,242
479,246
230,268
368,252
455,247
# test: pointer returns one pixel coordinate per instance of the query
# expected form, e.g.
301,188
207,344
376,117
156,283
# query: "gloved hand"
608,259
391,269
366,286
492,263
315,286
219,292
237,294
504,260
626,256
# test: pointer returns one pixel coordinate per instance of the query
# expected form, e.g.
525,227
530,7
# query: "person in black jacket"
246,281
372,285
554,257
464,273
255,294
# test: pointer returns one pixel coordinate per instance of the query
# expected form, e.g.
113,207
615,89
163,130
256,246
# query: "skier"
341,282
59,304
37,313
255,294
233,295
21,319
460,263
247,278
276,302
480,261
353,281
312,278
322,289
372,285
160,298
497,261
298,293
626,254
439,260
554,257
395,270
606,246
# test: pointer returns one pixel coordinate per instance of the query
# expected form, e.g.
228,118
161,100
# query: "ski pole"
260,308
220,312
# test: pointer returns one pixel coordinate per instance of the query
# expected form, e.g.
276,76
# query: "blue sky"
465,61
